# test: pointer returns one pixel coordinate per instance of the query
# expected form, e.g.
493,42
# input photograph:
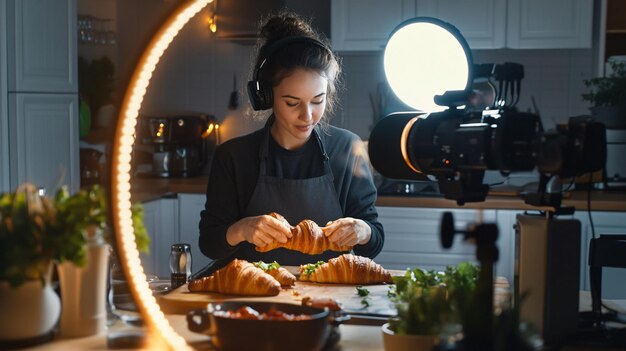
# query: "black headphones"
259,91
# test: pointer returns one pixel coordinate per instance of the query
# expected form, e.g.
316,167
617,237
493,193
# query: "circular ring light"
161,333
424,57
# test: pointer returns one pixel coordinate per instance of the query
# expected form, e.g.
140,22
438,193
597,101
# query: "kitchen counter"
353,338
146,189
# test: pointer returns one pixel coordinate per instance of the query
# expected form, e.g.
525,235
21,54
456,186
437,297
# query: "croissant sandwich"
239,277
307,237
284,277
345,269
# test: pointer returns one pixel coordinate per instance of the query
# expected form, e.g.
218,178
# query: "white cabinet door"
4,104
554,24
412,237
365,25
42,46
43,140
481,22
190,206
161,221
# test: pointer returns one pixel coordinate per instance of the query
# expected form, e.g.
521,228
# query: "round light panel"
424,57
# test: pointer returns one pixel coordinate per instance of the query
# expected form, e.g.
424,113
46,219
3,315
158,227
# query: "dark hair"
285,60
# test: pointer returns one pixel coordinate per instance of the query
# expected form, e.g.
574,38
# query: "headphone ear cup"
267,96
261,98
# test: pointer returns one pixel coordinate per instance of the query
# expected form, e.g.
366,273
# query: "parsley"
361,291
267,266
311,267
365,302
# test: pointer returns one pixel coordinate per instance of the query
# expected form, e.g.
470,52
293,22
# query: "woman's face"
299,104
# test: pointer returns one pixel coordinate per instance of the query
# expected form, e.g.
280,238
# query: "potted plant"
83,284
35,232
30,240
427,302
607,96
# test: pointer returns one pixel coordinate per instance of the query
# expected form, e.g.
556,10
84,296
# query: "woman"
297,165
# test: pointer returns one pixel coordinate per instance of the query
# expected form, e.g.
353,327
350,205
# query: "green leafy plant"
425,300
608,91
36,230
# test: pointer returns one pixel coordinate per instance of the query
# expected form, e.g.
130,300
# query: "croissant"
239,277
307,237
345,269
284,277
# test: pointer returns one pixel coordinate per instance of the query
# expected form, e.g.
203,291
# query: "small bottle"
180,264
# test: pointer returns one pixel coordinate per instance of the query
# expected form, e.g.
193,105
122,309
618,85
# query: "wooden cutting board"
181,301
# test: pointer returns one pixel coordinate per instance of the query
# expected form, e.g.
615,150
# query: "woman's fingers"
260,238
340,232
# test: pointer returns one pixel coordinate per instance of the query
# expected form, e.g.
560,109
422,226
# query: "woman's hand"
348,231
259,230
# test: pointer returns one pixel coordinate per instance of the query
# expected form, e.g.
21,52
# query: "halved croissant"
239,277
345,269
307,237
284,277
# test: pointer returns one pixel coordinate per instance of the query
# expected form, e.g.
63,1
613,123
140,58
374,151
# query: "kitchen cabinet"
412,238
485,24
39,103
172,220
43,131
42,46
189,209
611,34
555,24
482,22
4,103
364,25
161,221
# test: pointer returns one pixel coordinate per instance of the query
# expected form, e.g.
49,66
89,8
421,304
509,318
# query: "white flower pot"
29,311
83,292
402,342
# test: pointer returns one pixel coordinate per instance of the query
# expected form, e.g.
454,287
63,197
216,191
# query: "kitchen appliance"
178,146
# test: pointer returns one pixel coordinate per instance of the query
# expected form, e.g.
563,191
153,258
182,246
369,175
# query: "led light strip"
158,325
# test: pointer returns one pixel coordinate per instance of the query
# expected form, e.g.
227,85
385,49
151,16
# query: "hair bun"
286,24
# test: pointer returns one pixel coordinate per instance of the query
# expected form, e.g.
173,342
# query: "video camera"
457,145
457,151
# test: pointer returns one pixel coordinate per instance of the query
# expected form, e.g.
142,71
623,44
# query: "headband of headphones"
260,95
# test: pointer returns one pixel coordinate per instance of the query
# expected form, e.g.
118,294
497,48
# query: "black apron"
295,199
